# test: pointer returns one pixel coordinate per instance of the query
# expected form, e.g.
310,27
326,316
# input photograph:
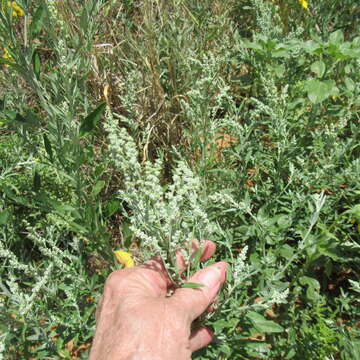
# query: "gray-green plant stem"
319,204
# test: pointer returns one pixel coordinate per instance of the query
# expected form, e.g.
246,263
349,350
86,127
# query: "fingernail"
211,277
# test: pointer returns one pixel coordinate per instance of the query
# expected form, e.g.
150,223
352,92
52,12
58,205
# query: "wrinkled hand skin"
136,321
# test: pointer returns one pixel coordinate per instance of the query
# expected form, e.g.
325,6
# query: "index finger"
208,250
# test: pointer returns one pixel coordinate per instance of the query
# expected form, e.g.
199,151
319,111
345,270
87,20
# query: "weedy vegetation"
141,125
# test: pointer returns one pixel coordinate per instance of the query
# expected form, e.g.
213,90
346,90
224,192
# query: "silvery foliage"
355,285
164,219
60,267
2,346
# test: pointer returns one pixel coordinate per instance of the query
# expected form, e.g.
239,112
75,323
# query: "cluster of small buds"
29,300
48,247
54,12
279,297
225,199
163,219
61,263
273,297
241,268
2,346
13,261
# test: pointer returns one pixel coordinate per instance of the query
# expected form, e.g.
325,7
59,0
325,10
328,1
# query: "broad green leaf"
356,41
280,53
251,45
286,251
318,67
337,37
37,20
350,84
4,217
352,53
192,285
221,324
97,188
90,121
36,64
310,46
262,324
48,147
319,91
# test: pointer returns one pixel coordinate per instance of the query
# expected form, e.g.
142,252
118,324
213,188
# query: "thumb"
195,301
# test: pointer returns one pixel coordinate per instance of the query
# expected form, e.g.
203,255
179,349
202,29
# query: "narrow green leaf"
112,207
37,21
84,20
36,64
37,181
310,46
97,188
127,233
195,257
192,285
48,147
90,121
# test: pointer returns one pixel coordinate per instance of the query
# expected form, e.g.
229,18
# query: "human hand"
137,321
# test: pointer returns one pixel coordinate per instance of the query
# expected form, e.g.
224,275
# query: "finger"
195,301
180,262
200,338
208,250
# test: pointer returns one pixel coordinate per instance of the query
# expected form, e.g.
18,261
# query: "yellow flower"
124,258
16,9
304,4
6,54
